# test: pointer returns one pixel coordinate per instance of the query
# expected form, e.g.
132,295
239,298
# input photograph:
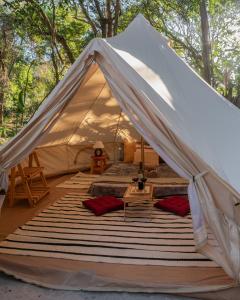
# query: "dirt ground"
11,289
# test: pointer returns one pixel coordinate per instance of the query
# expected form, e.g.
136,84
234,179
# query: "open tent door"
165,100
92,114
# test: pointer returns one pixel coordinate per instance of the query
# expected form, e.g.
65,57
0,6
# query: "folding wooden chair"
27,189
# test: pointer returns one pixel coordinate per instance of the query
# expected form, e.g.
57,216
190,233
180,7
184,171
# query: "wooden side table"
131,196
98,164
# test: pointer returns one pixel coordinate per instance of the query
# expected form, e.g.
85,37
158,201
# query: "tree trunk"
50,26
117,13
107,14
3,83
55,66
1,107
206,46
109,18
66,48
103,27
2,92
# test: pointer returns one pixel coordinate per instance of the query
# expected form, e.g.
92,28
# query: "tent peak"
141,26
140,18
139,22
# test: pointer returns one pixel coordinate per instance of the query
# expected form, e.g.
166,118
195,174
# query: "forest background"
40,39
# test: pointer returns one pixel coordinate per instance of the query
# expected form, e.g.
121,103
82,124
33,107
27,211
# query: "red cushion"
103,204
178,205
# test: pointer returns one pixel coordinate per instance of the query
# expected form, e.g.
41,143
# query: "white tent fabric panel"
49,158
60,159
75,112
92,114
104,120
189,106
192,127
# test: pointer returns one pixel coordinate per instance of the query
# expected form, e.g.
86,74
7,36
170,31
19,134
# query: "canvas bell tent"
136,80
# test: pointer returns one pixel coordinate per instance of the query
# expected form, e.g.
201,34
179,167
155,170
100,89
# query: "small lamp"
98,146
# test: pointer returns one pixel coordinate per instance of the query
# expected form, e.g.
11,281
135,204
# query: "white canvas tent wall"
193,128
92,114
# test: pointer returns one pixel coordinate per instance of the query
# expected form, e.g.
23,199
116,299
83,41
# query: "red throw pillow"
103,204
178,205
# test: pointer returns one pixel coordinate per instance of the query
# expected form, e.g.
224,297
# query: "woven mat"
79,181
67,230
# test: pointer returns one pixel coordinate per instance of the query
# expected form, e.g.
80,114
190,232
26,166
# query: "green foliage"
20,103
44,37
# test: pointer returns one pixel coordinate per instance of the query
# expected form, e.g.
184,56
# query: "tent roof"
204,120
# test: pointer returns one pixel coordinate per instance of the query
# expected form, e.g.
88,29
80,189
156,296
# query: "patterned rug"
67,230
79,181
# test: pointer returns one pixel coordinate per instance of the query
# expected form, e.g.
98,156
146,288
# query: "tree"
204,33
102,16
47,33
206,45
40,39
6,55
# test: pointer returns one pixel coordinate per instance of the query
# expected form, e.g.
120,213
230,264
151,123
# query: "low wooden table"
133,195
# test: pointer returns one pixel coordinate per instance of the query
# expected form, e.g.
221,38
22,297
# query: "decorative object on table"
135,180
141,183
179,205
98,148
140,180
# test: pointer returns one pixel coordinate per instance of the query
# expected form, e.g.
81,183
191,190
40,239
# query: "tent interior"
59,243
93,114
